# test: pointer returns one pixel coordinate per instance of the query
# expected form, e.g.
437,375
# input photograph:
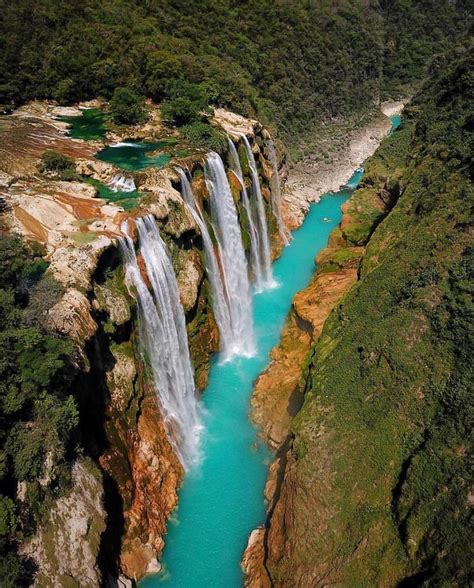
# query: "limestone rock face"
234,124
121,380
253,561
189,277
94,168
149,487
73,266
71,316
114,303
66,547
314,303
277,393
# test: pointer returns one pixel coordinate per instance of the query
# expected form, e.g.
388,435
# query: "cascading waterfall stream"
260,221
276,195
220,300
122,184
234,270
164,338
255,263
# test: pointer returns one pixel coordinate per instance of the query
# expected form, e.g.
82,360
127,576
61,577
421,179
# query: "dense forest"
38,414
387,420
289,63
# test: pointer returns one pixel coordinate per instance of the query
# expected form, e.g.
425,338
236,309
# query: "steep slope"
88,475
373,485
289,63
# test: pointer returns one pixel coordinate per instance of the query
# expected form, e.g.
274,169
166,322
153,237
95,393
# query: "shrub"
127,107
188,102
12,571
12,260
181,111
203,135
57,164
7,516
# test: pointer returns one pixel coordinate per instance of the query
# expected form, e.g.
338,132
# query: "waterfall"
261,221
124,144
276,194
164,338
233,266
122,184
255,263
220,301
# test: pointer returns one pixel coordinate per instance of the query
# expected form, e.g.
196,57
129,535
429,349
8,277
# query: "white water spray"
260,220
124,144
220,300
255,263
164,339
233,266
276,195
122,184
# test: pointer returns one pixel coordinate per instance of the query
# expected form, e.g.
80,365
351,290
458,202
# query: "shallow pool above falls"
221,501
136,155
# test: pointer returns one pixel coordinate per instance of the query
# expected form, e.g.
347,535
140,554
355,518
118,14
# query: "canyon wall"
129,487
371,485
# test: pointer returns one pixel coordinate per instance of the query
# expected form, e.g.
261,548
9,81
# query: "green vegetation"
38,415
204,136
384,439
127,108
415,32
189,103
57,164
289,63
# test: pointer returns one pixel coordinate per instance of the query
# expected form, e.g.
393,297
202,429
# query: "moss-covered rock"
377,484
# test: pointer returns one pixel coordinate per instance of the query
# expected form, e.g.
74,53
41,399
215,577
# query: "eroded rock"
71,317
66,547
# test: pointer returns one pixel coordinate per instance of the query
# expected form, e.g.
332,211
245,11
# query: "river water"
221,500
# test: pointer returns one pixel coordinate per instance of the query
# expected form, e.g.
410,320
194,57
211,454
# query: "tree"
162,70
7,516
188,102
57,164
127,107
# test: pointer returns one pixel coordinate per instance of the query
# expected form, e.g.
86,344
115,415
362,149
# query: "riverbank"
336,154
279,391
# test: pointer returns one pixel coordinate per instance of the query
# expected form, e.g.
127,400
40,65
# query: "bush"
7,516
203,135
12,571
188,103
13,261
57,164
181,111
127,107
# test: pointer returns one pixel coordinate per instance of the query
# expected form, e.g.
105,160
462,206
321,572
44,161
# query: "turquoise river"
221,500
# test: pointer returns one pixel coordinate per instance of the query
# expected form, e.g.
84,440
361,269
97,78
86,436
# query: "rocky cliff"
371,485
129,487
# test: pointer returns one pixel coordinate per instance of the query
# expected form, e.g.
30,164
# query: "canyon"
132,460
346,347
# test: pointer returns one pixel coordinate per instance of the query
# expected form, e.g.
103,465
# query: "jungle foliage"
38,414
392,375
289,63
